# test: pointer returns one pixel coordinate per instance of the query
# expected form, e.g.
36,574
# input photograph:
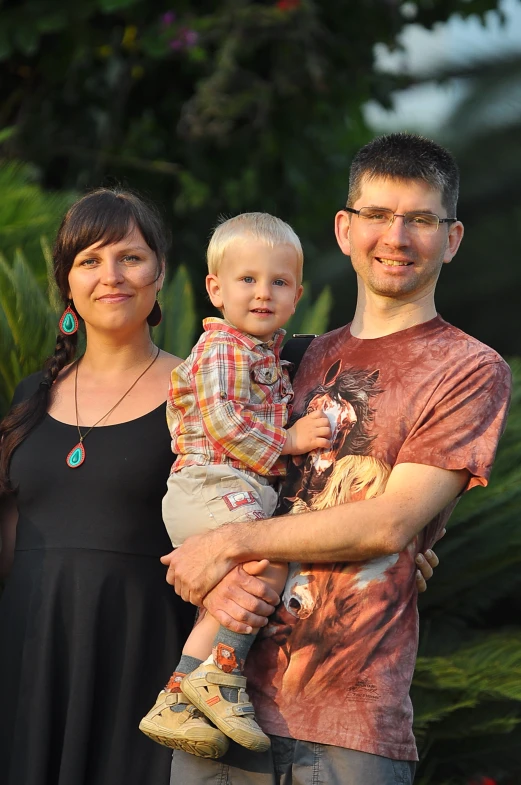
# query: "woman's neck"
104,354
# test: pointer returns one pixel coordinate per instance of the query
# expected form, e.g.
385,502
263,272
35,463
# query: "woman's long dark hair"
103,216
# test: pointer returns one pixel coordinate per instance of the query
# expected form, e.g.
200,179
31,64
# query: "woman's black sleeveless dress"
89,629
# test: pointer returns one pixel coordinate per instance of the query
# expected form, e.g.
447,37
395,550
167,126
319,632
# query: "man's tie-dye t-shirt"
335,663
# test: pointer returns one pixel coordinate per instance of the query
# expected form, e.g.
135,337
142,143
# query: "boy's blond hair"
261,226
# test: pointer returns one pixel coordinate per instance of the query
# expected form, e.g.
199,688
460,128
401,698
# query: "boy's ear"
213,287
298,295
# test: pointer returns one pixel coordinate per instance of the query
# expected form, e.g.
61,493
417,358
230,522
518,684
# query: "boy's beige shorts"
200,498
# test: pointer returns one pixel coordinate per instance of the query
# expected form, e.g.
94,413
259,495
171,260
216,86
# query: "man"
416,408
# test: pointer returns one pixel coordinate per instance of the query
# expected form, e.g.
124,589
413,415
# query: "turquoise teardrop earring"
69,321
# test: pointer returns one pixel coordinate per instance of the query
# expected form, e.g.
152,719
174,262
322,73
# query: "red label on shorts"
239,499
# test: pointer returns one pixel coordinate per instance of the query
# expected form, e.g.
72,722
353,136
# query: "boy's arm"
222,385
356,531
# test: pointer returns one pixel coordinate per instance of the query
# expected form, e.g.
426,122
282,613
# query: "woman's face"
114,287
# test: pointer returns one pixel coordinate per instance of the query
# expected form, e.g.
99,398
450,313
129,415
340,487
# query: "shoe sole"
242,737
202,746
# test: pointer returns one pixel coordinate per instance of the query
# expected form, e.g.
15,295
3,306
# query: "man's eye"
375,215
422,219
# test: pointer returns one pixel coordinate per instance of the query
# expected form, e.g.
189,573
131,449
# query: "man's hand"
199,564
426,563
242,602
311,432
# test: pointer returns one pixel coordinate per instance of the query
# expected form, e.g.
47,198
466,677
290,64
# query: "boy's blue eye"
248,279
279,282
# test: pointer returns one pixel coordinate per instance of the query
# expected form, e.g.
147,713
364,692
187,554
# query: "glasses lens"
421,222
376,216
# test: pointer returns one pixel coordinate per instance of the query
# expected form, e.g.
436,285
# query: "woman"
88,626
87,622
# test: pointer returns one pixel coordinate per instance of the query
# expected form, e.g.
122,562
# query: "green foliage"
467,684
212,108
27,213
176,333
27,325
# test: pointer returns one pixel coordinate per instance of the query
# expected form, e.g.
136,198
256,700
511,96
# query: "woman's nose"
111,272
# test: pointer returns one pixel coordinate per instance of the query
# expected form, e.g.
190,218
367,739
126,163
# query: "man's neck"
377,316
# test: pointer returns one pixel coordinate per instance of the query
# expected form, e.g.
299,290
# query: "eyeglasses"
382,218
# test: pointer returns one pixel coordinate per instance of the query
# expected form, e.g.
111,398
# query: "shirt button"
223,396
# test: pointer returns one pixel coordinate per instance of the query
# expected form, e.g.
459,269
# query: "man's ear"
455,237
213,287
342,227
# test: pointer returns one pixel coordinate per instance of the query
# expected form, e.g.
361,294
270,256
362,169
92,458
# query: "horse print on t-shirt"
344,472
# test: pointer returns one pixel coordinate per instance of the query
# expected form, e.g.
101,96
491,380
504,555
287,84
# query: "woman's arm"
8,521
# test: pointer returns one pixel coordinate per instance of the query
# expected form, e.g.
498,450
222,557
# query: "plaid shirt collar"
250,342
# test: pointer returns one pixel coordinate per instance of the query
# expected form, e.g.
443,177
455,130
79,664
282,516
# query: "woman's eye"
88,262
131,258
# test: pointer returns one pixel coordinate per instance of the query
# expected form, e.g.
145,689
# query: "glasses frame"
403,215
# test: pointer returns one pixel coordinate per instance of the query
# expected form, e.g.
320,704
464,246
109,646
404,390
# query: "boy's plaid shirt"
229,402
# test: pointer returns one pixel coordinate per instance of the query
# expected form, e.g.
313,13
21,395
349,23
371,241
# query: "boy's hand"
311,432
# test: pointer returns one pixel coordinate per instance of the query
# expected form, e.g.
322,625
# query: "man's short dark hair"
403,156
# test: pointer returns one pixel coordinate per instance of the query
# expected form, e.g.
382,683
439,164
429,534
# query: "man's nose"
397,233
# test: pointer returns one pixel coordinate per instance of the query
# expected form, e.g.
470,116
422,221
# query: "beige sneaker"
186,730
236,720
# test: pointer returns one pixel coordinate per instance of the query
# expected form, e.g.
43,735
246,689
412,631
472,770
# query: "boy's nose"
262,292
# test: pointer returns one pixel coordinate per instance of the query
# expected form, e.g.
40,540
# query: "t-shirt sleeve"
26,388
461,429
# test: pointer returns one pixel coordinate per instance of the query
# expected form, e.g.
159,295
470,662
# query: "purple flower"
175,44
190,37
168,18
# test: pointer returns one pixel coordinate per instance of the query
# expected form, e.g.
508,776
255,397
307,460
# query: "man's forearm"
356,531
349,532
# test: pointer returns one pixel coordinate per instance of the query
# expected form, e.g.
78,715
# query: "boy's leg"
217,687
173,721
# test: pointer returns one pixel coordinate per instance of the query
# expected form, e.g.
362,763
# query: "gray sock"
229,651
185,665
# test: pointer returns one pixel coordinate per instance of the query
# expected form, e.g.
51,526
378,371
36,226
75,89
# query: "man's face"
393,261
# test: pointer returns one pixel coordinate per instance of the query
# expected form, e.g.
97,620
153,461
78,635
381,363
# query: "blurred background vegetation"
217,108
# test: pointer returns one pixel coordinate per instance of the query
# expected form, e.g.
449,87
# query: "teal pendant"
76,456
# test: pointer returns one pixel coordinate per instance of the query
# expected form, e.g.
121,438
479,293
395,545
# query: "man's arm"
356,531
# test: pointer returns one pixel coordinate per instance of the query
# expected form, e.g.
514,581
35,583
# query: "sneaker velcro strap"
241,709
225,679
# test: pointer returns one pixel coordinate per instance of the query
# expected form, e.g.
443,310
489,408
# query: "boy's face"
257,287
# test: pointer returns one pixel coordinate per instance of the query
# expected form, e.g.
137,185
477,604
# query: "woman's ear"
213,287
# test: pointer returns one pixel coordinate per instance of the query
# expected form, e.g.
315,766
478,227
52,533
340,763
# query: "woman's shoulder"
168,361
27,387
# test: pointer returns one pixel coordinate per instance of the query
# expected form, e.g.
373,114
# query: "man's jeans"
291,762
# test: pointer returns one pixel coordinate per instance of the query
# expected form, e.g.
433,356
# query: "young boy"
227,411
